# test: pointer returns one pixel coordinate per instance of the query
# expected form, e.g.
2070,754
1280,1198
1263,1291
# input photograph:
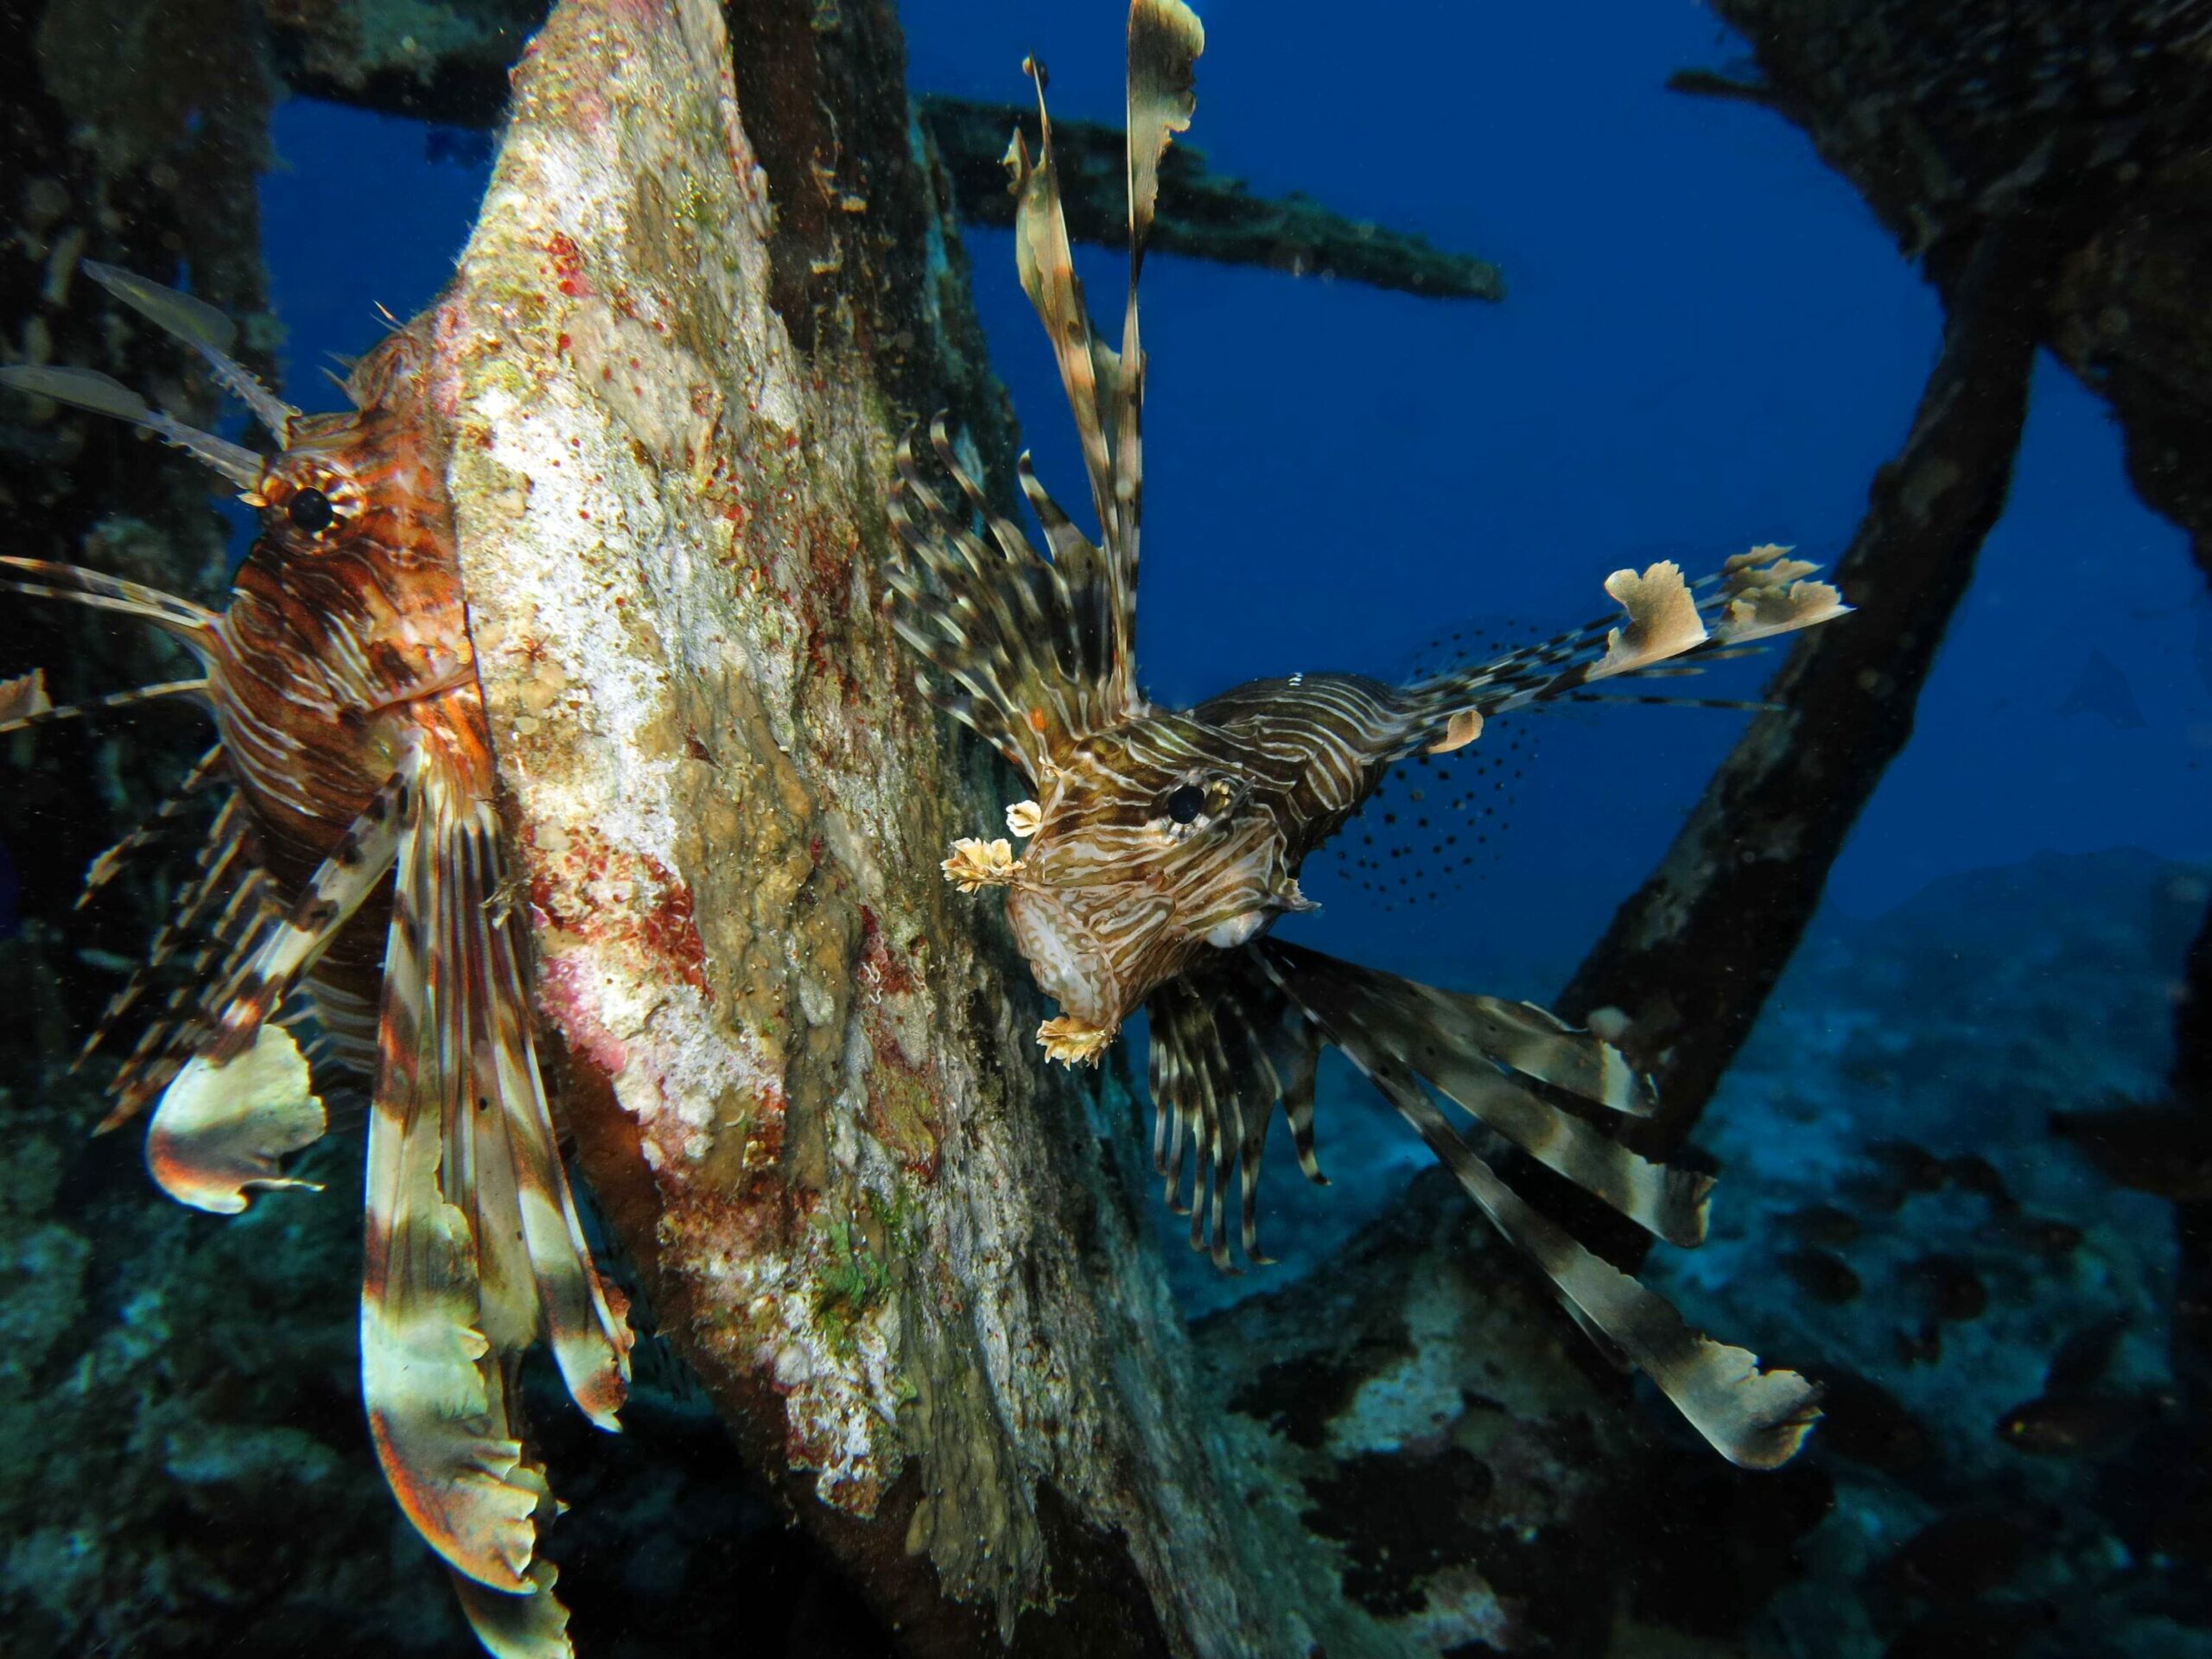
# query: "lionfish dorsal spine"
208,331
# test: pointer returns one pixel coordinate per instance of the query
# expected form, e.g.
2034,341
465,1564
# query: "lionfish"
1163,844
354,871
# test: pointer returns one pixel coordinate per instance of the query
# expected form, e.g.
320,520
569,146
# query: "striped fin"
28,718
355,869
225,1116
1755,1417
102,394
473,1245
1040,653
173,1035
1458,1044
43,579
225,903
1023,640
208,331
1222,1054
112,863
1667,625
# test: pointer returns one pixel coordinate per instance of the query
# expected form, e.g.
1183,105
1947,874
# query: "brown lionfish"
1163,843
355,869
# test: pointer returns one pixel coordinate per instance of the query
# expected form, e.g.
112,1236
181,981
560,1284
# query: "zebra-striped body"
1163,846
1118,895
358,862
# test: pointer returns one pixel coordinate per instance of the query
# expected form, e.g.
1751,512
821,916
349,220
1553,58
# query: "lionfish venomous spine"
1164,844
355,869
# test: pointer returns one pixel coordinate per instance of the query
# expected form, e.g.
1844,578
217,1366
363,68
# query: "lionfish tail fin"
208,331
475,1249
1243,1033
89,389
1665,625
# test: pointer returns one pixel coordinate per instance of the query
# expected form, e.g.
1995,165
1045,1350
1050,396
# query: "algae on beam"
796,1076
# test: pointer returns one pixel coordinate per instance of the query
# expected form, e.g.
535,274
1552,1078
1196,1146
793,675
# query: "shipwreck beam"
801,1086
2071,134
1691,957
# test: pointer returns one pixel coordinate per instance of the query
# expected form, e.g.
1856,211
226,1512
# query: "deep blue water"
1706,342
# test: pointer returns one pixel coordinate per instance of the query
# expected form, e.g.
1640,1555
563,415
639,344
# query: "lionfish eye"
1187,803
310,511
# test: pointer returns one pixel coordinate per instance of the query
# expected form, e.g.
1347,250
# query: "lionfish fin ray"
208,331
475,1249
355,869
44,579
1468,1047
1667,625
136,694
1755,1417
1224,1049
89,389
112,863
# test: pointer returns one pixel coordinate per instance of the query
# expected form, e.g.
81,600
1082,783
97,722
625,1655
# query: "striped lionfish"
356,863
1163,844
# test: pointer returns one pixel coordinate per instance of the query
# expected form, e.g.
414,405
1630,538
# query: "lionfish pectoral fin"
526,1623
190,624
1399,1033
208,331
89,389
1668,625
354,870
1225,1046
512,1153
475,1249
518,1624
223,1128
1468,1047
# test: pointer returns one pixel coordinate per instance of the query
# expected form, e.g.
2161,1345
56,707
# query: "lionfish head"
1146,852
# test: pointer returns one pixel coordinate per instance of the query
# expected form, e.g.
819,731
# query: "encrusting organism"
1163,844
355,870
